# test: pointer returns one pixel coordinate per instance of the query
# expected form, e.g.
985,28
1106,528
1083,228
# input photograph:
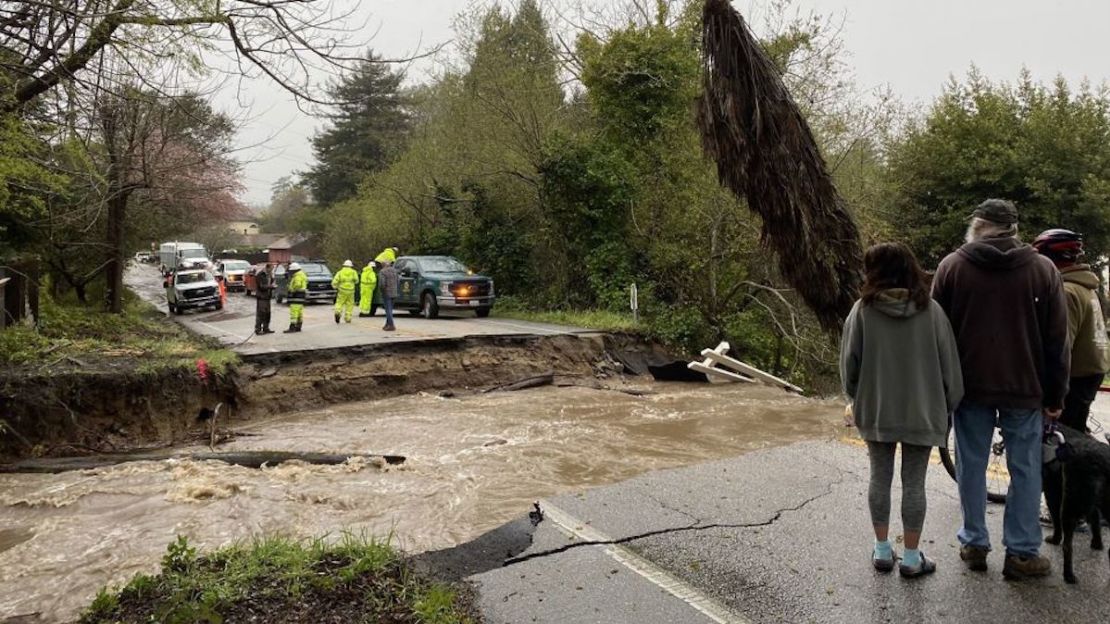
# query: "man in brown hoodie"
1087,339
1006,305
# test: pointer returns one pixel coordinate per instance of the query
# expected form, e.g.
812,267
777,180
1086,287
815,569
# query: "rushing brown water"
473,464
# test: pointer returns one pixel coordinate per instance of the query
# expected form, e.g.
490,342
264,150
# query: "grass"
282,581
79,334
602,320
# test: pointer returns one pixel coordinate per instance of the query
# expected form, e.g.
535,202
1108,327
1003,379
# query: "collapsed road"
487,424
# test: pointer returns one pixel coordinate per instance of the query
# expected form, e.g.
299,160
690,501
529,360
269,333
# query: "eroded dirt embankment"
73,412
79,412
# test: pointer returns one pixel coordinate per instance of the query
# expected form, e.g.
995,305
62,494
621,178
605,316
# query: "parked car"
429,284
144,257
192,289
233,273
319,282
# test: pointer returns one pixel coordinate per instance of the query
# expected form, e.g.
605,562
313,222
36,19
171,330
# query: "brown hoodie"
1006,305
1090,347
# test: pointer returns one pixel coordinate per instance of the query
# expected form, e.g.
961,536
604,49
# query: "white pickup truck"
192,289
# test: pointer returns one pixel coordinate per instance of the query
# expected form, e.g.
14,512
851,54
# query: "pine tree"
367,128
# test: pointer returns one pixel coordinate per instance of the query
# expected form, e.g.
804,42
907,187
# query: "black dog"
1077,486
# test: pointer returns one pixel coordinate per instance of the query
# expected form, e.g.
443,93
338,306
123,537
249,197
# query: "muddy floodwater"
474,463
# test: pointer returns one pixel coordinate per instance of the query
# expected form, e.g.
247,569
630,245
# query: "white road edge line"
656,575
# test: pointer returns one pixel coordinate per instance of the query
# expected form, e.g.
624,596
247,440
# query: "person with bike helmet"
1007,308
1087,339
900,367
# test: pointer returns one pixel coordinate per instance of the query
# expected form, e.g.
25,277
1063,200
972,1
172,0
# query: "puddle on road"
473,464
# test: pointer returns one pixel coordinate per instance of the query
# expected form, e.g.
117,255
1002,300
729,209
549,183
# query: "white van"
171,255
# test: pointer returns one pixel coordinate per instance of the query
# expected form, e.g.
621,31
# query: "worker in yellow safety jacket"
366,288
389,254
344,283
296,293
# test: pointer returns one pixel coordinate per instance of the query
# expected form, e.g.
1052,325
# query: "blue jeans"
388,302
1022,431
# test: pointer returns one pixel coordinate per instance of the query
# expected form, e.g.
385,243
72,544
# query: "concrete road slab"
234,325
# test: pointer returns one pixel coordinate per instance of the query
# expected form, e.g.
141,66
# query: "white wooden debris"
720,365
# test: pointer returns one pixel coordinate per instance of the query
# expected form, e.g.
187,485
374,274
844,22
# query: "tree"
368,126
1045,147
291,209
50,42
144,166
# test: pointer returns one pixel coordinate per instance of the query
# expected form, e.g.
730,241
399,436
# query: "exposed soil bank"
80,412
77,412
291,381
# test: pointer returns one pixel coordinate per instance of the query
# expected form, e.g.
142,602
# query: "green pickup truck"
430,284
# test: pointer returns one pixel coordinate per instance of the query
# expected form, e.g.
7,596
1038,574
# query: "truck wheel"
220,306
429,307
482,312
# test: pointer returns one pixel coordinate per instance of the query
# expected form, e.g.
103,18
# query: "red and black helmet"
1059,245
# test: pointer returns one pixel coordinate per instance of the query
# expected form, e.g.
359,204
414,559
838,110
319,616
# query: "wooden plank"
719,372
747,369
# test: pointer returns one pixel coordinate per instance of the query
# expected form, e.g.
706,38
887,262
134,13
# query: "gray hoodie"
900,367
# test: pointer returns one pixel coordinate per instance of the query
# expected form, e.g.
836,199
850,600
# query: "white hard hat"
294,266
348,263
372,264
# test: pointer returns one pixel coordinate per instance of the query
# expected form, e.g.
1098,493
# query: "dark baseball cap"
997,211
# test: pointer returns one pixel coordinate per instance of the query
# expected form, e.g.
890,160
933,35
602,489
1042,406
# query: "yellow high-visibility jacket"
298,287
345,280
386,256
369,279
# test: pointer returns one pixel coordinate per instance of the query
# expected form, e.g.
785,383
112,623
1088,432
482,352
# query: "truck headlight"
491,288
445,289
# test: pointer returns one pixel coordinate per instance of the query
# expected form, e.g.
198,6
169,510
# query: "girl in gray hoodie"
901,370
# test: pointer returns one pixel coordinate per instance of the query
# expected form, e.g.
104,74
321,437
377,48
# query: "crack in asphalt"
693,527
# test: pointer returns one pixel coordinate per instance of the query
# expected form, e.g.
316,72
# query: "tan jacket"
1087,338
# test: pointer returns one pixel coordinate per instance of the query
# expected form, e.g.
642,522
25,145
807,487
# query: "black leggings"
915,464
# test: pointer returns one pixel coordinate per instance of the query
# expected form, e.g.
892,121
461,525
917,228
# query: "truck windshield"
193,253
194,278
442,265
236,265
316,269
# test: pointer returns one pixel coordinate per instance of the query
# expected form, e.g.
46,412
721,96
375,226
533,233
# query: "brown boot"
975,557
1018,568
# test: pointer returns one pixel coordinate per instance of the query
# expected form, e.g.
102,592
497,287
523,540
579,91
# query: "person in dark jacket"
389,284
1006,305
900,368
264,288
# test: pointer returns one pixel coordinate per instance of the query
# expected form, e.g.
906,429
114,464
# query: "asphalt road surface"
234,325
781,535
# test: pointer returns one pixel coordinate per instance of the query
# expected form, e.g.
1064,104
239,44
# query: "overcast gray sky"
910,45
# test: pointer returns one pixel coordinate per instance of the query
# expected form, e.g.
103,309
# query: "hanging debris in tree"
766,153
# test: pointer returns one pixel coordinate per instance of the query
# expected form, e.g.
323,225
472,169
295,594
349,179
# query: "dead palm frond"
766,153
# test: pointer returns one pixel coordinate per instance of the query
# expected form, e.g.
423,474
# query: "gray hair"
979,229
